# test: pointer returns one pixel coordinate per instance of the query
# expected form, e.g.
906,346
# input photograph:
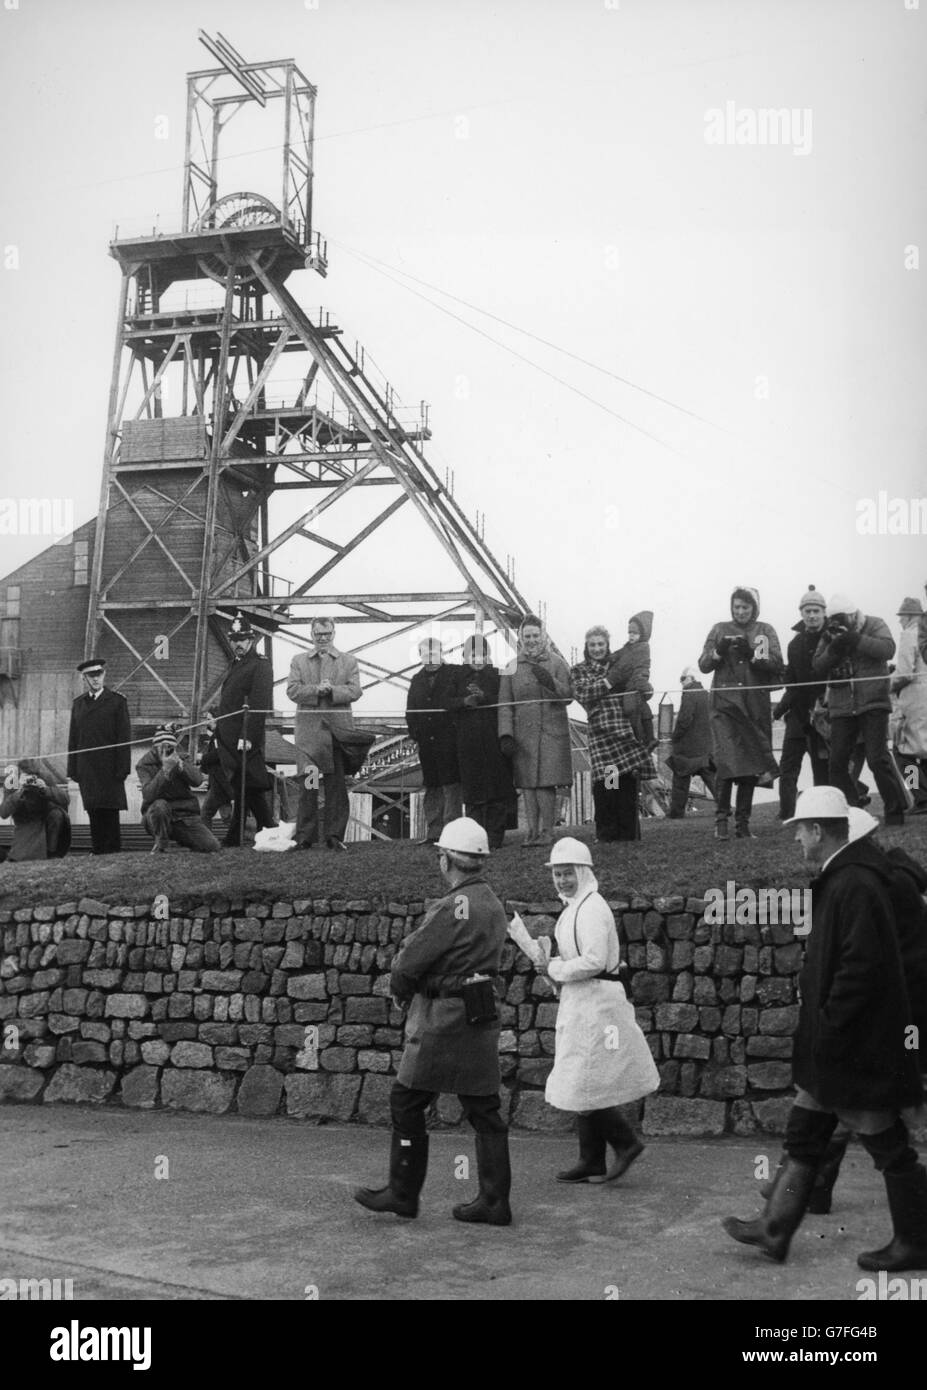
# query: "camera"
837,624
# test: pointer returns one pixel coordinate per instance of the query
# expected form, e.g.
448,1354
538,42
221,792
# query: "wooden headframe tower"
243,427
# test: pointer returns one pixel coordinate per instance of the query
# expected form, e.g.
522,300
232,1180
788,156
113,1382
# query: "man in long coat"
100,755
485,775
433,730
797,704
853,653
249,678
323,683
853,1059
462,936
746,659
691,753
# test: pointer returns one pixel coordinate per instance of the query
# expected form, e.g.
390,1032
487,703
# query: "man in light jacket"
853,653
323,683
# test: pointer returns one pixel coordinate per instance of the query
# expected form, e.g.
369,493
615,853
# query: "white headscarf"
586,882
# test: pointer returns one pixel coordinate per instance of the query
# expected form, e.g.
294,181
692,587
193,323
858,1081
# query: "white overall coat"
602,1058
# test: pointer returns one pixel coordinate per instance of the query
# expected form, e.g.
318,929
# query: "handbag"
355,744
479,1000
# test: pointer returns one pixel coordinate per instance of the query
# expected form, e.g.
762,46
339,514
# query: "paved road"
262,1209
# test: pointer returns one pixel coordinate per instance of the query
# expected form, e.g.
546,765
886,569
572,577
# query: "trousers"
408,1105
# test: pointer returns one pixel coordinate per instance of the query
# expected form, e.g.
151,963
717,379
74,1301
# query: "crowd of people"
485,736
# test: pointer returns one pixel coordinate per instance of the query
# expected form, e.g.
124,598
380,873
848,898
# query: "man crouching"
170,810
444,972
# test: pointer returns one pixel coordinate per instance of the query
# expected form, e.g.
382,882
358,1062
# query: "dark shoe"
408,1164
160,845
743,832
623,1142
591,1152
907,1202
334,843
721,828
785,1207
491,1207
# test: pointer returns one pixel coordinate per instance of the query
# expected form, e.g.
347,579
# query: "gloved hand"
544,677
507,746
852,638
724,645
613,678
471,701
741,649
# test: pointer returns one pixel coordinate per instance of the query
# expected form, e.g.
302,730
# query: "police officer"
249,678
99,755
461,937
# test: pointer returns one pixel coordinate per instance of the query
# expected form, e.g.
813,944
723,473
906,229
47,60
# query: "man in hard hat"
444,972
853,1061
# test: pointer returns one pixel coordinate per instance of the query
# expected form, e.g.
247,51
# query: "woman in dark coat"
743,654
485,775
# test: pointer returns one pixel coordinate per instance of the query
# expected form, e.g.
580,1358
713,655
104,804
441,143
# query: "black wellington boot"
623,1141
907,1202
491,1207
819,1203
408,1164
591,1151
785,1207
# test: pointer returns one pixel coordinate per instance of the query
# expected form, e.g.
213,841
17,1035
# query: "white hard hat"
569,851
861,823
820,803
464,836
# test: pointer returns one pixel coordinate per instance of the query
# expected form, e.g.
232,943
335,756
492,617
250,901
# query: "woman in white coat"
602,1060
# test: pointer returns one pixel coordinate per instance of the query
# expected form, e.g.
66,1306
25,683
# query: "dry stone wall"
283,1008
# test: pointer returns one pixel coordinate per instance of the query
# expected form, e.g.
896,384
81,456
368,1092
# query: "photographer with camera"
170,810
853,653
35,797
744,654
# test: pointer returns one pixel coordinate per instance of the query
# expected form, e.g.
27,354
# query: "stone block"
233,1058
368,1060
83,1053
317,1096
770,1076
20,1083
771,1116
72,952
665,1115
531,1111
535,1071
366,1010
675,1018
338,1059
779,1021
761,1046
691,1045
307,987
126,1006
39,1055
260,1091
191,1054
221,981
205,1091
140,1088
81,1084
722,1083
156,1052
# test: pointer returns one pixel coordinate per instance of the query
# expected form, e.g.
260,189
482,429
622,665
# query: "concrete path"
262,1209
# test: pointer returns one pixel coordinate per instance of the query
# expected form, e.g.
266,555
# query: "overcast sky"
554,162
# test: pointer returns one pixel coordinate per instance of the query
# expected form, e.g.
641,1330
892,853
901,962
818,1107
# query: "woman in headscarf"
534,731
617,759
602,1060
744,654
909,687
485,774
35,797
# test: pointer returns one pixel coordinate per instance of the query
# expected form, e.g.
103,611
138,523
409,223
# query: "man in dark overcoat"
462,936
485,774
856,1046
100,755
691,753
249,678
433,730
798,702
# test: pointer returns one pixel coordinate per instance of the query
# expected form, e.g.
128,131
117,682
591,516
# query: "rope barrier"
182,729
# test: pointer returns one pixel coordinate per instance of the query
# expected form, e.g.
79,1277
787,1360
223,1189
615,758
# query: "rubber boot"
906,1189
408,1164
721,827
785,1207
622,1140
591,1151
819,1203
491,1206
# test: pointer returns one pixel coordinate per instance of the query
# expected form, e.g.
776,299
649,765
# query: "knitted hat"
841,603
812,596
910,606
165,734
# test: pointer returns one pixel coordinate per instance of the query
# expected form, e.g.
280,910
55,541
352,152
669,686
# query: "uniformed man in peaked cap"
249,678
99,755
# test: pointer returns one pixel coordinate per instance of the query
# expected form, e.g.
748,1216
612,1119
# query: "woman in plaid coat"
617,759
